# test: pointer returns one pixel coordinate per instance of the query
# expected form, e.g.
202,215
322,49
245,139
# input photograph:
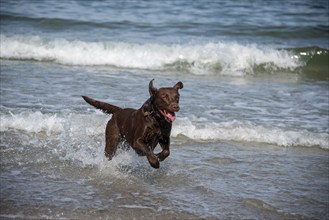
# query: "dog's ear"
178,85
152,89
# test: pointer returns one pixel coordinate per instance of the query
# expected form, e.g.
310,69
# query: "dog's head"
166,100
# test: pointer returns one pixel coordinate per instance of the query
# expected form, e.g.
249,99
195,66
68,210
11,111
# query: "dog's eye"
165,97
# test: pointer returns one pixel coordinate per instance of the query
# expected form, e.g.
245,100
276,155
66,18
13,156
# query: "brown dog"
145,127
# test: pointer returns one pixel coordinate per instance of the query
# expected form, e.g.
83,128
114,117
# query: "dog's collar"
150,108
147,113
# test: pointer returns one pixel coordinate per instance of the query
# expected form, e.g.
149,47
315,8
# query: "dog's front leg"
164,143
153,160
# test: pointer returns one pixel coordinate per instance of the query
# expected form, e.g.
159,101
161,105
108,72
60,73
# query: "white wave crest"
32,122
77,127
228,58
246,132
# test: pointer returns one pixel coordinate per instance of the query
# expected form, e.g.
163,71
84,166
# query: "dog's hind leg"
112,138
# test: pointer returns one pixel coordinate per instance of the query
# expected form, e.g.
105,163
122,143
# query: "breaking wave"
212,58
247,132
81,126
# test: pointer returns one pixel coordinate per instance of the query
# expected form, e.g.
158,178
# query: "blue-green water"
250,142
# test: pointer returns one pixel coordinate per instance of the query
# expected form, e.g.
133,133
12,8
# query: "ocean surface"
251,140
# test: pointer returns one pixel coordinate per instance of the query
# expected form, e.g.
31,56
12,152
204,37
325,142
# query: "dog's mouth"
169,116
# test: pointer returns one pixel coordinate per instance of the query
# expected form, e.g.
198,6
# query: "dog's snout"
175,107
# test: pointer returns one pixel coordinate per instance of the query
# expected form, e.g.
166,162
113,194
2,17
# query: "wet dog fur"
145,127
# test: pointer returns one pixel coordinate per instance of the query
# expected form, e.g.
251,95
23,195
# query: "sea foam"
247,132
225,58
32,122
76,128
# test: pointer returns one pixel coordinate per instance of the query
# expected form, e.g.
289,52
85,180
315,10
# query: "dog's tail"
105,107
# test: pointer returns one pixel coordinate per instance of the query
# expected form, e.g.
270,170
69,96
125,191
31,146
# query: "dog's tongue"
171,117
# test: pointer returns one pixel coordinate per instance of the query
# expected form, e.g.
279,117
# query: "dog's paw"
163,155
108,155
154,162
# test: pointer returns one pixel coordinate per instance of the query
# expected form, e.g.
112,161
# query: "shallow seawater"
251,139
235,160
204,180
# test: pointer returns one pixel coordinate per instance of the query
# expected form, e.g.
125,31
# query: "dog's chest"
152,134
